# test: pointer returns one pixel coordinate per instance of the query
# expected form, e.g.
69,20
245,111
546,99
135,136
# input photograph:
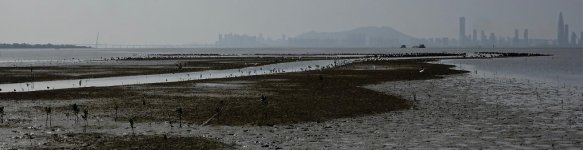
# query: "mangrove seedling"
264,103
132,125
30,137
219,110
85,116
76,110
1,114
179,113
48,121
415,102
216,115
116,107
263,100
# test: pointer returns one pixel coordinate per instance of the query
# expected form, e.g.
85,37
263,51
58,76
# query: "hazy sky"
196,21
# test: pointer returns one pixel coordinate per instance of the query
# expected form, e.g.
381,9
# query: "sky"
200,21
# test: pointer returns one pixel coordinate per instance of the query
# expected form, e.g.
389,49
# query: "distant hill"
359,37
384,32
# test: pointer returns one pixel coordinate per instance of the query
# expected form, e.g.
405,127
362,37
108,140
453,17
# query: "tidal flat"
370,103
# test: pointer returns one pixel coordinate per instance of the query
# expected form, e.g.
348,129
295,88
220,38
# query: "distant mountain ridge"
382,32
359,37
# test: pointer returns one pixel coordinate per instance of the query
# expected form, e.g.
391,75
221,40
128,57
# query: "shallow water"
173,77
9,57
473,112
565,67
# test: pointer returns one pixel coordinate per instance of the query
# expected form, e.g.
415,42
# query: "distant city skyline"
389,37
186,22
563,38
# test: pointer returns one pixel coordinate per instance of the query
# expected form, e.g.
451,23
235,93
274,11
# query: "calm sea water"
564,67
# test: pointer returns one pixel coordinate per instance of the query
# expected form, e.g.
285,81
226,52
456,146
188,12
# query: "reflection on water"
174,77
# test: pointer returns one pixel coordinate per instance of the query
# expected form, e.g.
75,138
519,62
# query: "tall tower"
475,36
525,38
483,38
573,39
566,35
492,38
561,30
97,41
515,40
581,40
462,36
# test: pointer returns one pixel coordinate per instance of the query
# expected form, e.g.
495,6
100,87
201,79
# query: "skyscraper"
525,38
484,38
560,30
492,38
515,39
475,37
566,35
462,36
573,39
581,40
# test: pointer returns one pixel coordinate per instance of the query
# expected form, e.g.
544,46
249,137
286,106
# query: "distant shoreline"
28,46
